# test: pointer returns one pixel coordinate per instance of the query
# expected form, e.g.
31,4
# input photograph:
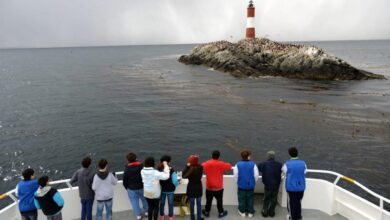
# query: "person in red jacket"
214,170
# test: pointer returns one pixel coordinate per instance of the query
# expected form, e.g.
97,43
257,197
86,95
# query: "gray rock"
261,57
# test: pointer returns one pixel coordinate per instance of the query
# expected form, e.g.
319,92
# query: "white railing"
338,200
348,179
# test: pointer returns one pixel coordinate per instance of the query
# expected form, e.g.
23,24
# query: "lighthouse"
250,22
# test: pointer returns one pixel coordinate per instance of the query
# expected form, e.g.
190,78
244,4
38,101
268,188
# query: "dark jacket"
84,178
25,192
194,175
271,172
132,176
167,185
49,200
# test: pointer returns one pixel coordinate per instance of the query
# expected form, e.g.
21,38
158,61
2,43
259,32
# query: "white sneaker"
250,215
139,217
146,214
288,217
241,214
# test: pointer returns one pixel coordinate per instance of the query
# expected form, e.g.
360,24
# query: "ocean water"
58,105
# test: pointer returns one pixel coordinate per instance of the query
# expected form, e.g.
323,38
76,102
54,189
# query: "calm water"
57,105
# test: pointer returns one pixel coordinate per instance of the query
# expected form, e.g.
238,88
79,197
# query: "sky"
64,23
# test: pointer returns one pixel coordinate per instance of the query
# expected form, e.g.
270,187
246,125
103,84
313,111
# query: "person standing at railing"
25,190
168,188
246,173
103,185
84,178
294,170
48,199
132,181
194,172
214,169
152,188
271,176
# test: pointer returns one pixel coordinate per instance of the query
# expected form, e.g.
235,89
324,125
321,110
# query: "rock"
263,57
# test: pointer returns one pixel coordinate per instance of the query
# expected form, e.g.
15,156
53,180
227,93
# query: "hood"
103,175
42,191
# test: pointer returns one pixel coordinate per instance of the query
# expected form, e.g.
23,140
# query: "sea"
58,105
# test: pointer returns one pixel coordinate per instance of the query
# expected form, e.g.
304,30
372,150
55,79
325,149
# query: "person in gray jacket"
103,185
84,177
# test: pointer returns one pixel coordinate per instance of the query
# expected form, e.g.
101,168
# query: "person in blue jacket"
295,170
271,174
25,190
247,174
48,199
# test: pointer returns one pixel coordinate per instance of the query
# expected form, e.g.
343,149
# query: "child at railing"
103,185
48,199
25,191
167,188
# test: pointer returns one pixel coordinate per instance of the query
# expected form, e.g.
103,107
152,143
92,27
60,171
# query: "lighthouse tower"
250,22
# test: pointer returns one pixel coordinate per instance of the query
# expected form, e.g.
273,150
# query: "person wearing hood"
48,199
103,185
25,192
84,177
152,188
132,181
194,172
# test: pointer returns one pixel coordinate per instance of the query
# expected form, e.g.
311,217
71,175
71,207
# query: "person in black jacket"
194,172
48,199
167,188
132,181
271,171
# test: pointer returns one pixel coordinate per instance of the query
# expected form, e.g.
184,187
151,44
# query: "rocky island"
263,57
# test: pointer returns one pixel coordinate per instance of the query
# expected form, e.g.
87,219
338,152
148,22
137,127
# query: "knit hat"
193,159
271,154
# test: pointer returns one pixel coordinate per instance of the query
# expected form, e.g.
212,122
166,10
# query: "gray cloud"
58,23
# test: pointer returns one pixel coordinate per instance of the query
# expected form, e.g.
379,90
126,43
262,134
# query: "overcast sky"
59,23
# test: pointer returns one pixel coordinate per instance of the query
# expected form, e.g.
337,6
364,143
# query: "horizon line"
172,44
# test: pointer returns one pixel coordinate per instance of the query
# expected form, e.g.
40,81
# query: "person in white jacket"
103,185
152,188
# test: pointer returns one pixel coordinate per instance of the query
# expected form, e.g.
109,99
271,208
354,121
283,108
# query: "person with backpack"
48,199
25,190
168,188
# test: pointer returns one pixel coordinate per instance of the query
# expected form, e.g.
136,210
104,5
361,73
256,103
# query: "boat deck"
232,214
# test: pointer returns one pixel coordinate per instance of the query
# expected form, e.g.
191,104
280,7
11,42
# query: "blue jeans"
86,209
99,209
135,196
198,208
169,196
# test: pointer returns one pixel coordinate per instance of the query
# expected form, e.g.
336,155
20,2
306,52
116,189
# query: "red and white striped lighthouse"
250,22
